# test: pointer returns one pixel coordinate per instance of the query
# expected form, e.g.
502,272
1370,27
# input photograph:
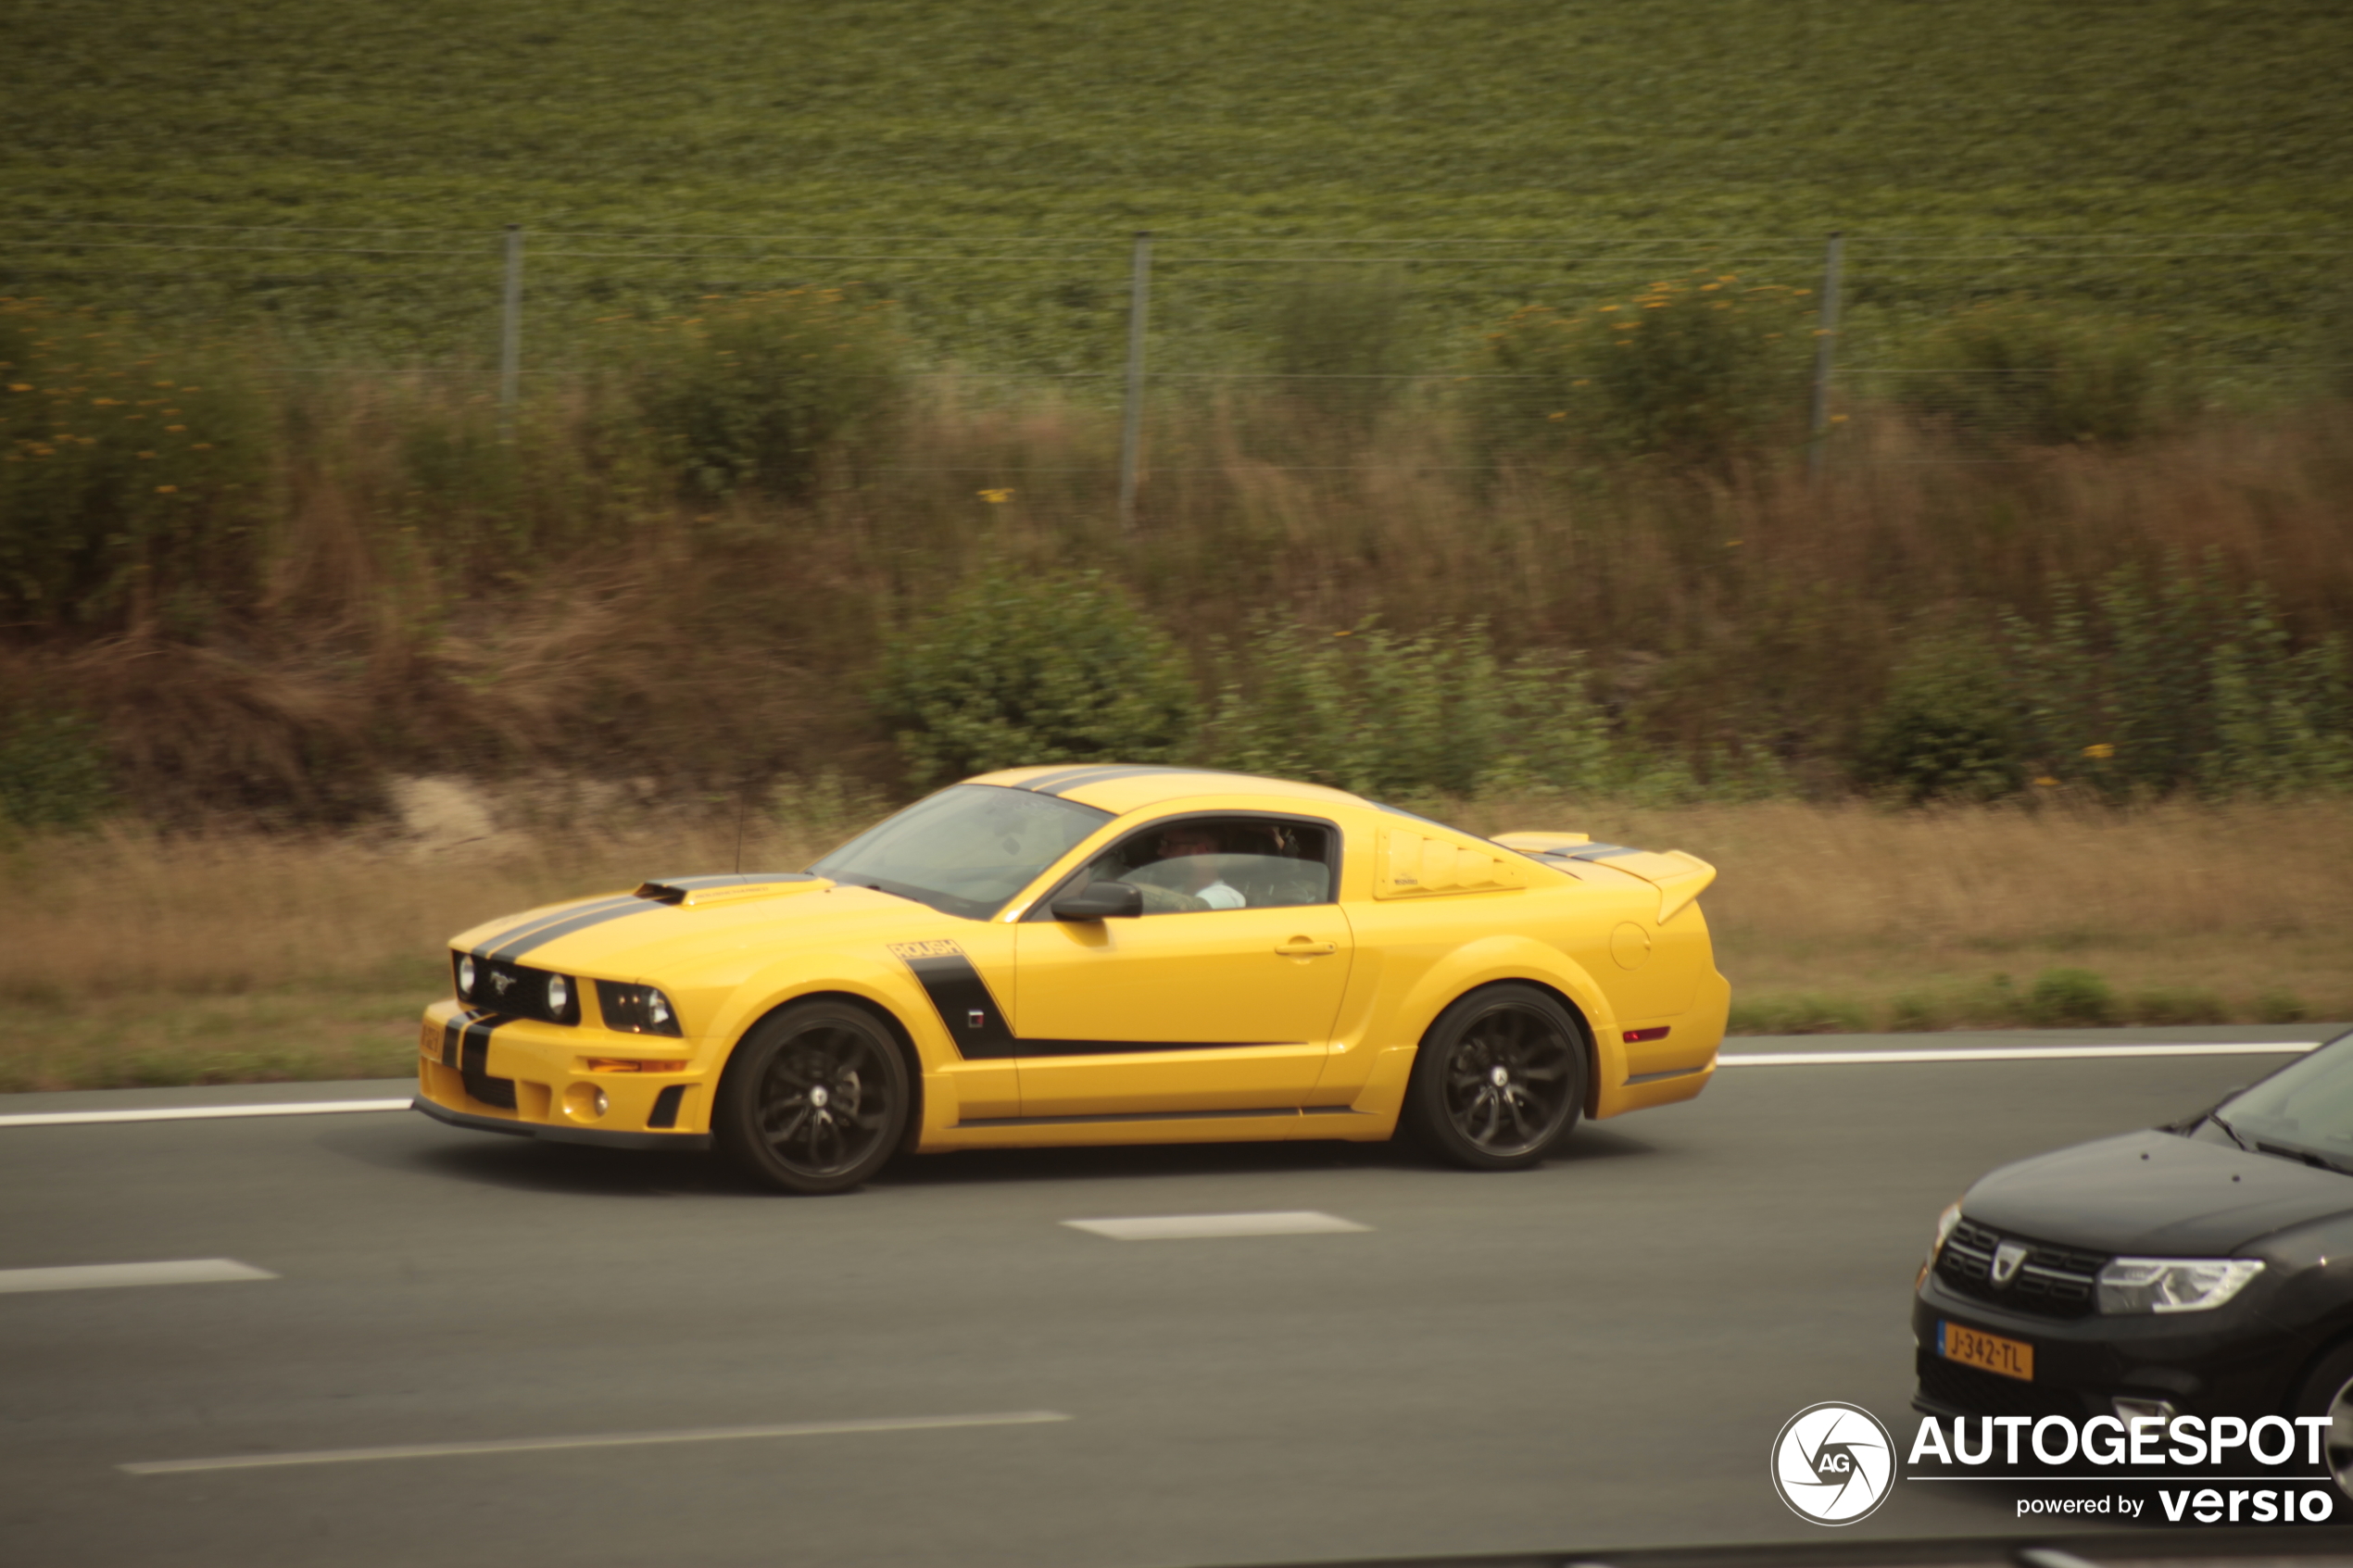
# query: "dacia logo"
2006,1258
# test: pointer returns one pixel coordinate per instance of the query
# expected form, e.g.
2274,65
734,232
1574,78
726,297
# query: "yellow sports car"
1098,954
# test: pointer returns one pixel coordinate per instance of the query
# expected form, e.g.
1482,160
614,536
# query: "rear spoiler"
1679,877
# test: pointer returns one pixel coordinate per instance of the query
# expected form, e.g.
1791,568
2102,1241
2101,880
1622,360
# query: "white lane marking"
200,1112
112,1277
2008,1053
1176,1227
605,1441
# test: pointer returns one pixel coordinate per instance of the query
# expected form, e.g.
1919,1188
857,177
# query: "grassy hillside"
1562,123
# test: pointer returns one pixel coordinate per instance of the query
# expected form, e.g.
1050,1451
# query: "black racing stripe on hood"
579,920
534,927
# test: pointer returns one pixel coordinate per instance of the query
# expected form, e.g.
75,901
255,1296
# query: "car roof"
1120,788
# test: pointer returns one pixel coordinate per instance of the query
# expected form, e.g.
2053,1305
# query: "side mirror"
1101,900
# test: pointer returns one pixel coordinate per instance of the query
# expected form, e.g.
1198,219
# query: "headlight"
466,977
1944,1224
559,995
657,1008
2174,1285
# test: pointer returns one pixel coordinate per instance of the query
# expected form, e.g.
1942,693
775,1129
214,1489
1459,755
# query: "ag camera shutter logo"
1833,1464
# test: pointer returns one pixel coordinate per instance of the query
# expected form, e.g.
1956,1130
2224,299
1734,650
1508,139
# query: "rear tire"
1499,1081
815,1100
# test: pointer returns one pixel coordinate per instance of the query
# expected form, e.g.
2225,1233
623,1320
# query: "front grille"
1983,1393
2051,1281
517,992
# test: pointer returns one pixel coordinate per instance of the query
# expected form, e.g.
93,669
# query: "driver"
1196,842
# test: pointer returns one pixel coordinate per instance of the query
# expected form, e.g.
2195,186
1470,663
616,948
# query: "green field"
2218,135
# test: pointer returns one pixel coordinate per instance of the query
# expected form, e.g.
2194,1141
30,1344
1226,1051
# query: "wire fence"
1122,319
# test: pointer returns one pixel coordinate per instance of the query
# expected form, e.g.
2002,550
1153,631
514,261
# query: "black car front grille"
1967,1389
2051,1281
517,992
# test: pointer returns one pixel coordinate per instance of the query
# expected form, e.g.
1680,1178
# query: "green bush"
132,481
1945,730
1338,337
2074,997
2280,1005
2009,371
757,391
2178,684
1915,1012
52,769
1391,716
1010,671
1695,370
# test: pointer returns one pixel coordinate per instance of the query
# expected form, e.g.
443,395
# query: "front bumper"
520,1077
2230,1362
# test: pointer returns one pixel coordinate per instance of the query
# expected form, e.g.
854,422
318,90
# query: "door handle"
1303,947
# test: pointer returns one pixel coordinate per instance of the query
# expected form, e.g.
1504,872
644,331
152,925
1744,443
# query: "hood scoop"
697,892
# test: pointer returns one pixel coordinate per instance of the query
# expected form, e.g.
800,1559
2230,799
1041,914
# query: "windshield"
2304,1111
966,850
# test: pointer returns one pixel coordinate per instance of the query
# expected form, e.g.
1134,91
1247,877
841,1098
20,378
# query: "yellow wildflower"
2102,750
997,498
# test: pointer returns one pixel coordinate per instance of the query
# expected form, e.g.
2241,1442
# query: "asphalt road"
1597,1354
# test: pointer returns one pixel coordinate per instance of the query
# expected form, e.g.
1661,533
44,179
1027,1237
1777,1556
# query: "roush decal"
968,1011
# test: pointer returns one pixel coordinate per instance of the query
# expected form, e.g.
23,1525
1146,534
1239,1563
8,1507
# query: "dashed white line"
200,1112
601,1440
1188,1227
2008,1053
114,1277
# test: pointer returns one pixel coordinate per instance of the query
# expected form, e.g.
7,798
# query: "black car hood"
2153,1194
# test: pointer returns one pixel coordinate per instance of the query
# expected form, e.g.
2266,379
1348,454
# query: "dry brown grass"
136,958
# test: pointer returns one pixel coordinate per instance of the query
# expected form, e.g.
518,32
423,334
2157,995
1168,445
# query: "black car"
2202,1268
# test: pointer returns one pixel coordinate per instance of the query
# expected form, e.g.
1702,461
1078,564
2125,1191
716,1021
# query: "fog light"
584,1102
2130,1410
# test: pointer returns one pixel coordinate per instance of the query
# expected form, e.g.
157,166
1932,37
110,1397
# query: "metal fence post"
511,334
1825,355
1131,428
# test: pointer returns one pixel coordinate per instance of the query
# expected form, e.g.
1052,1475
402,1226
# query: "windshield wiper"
2230,1132
2303,1157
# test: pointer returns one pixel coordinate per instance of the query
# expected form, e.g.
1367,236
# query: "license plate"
1989,1352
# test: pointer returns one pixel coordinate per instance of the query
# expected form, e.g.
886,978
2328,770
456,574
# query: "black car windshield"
966,850
2304,1111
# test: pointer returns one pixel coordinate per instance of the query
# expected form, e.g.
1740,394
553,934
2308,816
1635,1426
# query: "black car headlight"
636,1009
2174,1285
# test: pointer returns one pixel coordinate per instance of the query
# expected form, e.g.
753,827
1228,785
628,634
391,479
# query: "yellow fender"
1486,962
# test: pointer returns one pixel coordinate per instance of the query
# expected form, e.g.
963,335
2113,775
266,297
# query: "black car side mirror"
1101,900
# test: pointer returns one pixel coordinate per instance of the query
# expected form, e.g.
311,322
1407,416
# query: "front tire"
2328,1391
1499,1081
815,1100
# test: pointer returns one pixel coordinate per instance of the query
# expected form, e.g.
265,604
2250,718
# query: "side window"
1222,863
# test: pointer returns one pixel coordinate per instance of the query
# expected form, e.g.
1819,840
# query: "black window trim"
1041,909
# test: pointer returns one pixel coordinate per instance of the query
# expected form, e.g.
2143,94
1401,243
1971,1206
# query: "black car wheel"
2329,1392
1498,1080
815,1100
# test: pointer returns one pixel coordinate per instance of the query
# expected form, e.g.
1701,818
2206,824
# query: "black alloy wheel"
1498,1080
815,1100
